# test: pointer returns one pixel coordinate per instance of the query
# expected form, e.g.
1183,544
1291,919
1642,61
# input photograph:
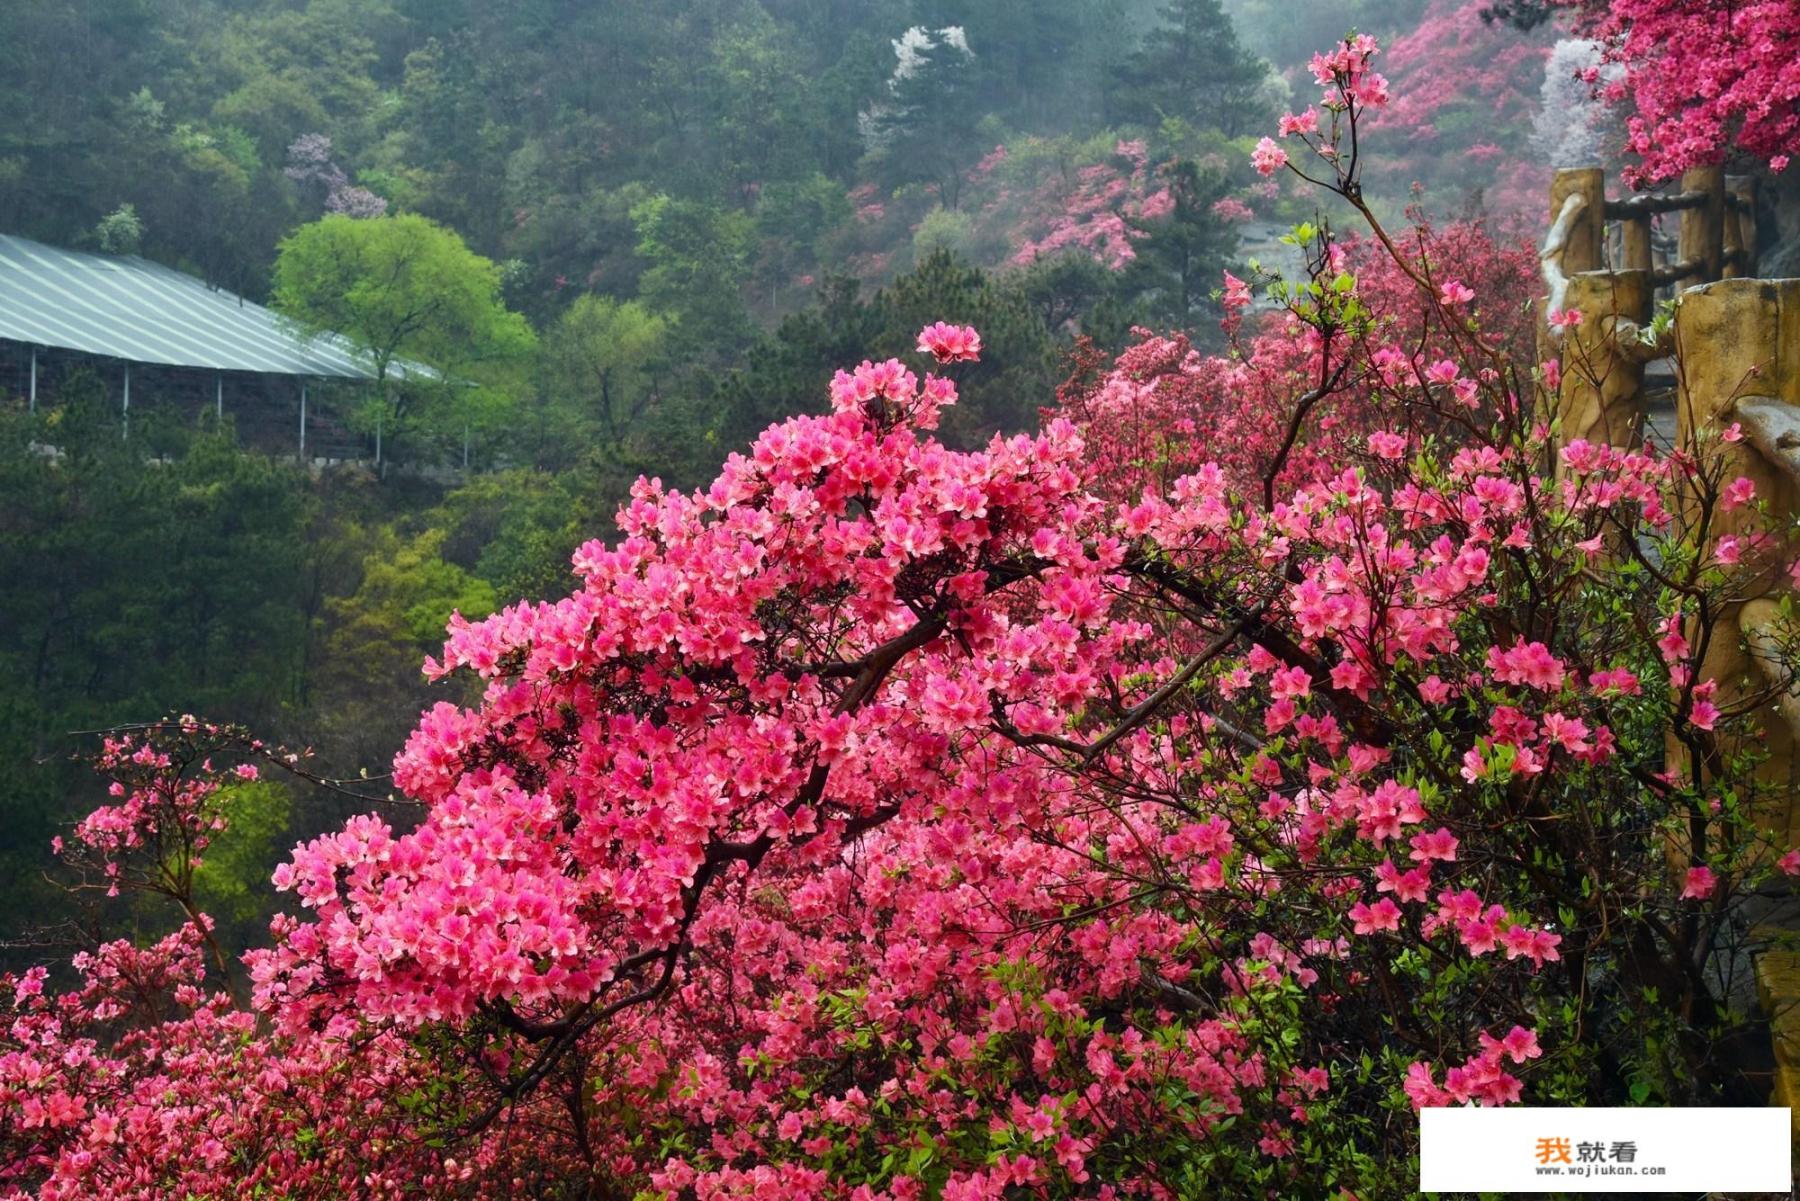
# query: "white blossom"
1573,127
912,52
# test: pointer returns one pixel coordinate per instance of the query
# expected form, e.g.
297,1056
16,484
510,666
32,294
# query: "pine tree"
1191,66
1180,255
926,128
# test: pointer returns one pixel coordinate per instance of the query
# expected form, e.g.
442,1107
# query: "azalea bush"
1700,79
1167,803
1097,213
1471,138
1163,409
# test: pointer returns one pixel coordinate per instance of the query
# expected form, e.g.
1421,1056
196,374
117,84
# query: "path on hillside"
1261,240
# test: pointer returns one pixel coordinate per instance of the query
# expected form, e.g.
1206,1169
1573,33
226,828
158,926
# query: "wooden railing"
1716,234
1603,261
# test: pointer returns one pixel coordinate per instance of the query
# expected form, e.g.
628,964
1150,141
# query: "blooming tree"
310,162
1104,811
1703,78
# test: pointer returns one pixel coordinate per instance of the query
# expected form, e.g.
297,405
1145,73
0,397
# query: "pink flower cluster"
1347,77
1702,77
950,343
139,1085
1481,1080
1100,215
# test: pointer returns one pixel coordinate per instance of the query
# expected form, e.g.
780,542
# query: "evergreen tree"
926,127
1181,254
1019,365
1192,67
791,370
1040,67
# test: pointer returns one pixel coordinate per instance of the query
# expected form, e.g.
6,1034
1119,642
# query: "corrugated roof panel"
131,308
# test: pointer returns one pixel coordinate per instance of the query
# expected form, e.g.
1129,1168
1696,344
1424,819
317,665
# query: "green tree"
1019,361
1067,289
795,219
518,529
1039,67
131,589
450,134
1269,25
759,96
1180,255
67,72
600,374
370,688
925,127
699,256
791,369
405,290
120,231
1192,67
232,885
277,71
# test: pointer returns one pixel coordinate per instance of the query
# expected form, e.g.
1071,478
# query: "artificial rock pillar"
1601,397
1702,233
1738,344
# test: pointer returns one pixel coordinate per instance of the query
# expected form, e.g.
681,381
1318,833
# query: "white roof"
126,307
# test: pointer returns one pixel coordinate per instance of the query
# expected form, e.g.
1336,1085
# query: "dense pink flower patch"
1099,215
1464,93
1703,77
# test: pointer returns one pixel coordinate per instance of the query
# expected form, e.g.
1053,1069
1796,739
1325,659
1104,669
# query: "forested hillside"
685,215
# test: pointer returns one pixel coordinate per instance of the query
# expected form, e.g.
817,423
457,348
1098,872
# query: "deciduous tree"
417,304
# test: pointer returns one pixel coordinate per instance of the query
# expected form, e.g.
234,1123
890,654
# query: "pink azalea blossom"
1455,293
950,343
1371,919
1306,121
1699,884
1386,445
1268,157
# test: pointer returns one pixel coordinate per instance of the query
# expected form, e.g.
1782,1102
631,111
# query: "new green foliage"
408,293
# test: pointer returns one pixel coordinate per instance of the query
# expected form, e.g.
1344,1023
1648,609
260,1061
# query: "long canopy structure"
129,308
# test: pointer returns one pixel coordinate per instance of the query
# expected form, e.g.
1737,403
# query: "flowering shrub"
1230,208
139,1083
1098,214
1469,138
169,804
310,163
1163,410
950,343
1703,76
887,821
142,1082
